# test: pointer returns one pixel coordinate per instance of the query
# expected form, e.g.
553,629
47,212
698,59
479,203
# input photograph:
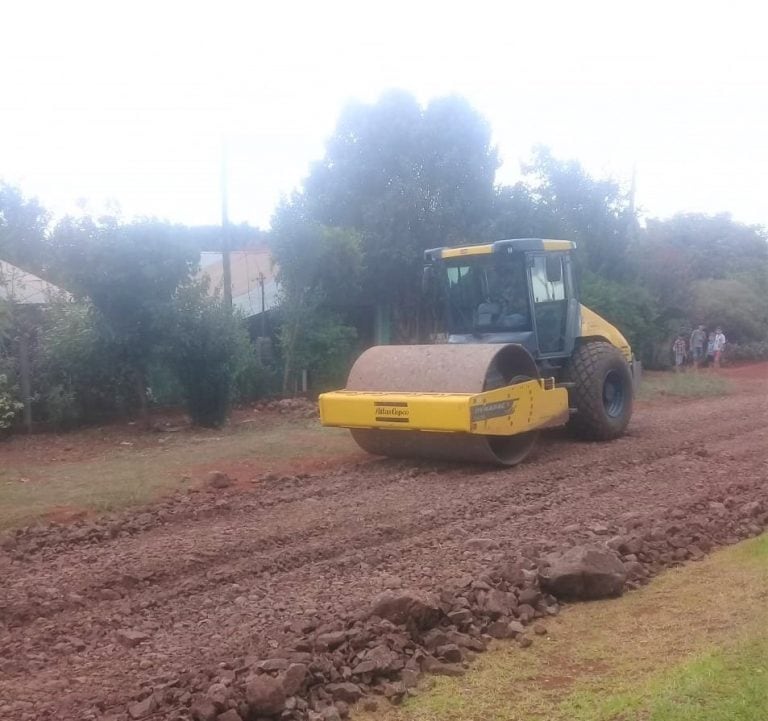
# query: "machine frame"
507,370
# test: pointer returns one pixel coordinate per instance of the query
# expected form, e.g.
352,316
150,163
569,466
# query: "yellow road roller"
521,354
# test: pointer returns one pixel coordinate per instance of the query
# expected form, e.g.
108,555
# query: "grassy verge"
683,385
692,646
129,476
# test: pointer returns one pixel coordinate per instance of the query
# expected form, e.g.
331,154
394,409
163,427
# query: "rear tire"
602,391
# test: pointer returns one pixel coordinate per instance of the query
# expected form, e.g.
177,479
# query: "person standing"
710,348
679,351
719,345
698,341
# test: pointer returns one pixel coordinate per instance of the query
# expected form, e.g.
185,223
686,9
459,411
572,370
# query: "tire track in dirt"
309,544
253,560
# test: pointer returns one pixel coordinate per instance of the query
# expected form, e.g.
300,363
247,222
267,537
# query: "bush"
61,406
732,304
204,345
165,390
253,378
79,372
755,351
631,309
325,348
9,406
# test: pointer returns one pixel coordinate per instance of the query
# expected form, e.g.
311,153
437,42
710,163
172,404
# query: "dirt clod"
330,713
219,480
499,629
347,692
408,607
264,695
294,678
498,603
131,638
142,709
583,573
203,709
230,715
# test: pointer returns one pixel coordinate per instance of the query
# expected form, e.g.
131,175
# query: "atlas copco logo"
393,412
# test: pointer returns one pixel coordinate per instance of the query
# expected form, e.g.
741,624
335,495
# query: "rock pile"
405,632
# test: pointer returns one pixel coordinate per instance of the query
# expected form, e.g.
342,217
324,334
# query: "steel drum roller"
448,368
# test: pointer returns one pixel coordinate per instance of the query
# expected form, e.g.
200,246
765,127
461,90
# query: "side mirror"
428,280
554,268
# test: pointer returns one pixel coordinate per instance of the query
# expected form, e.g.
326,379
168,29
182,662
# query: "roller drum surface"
460,368
464,447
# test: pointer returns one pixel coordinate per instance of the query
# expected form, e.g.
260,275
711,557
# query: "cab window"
549,303
547,280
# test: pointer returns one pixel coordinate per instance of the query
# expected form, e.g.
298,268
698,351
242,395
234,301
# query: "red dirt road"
216,577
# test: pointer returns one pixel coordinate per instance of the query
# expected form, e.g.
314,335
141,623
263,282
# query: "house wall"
249,267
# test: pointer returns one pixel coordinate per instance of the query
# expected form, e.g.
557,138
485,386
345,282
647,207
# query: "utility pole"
263,307
225,239
25,374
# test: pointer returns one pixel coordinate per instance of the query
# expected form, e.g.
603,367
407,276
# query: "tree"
732,304
406,178
319,270
559,199
631,309
203,348
23,223
515,214
710,246
707,269
130,273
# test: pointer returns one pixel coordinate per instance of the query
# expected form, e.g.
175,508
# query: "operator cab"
511,291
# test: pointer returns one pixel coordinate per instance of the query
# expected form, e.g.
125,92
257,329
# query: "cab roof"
511,245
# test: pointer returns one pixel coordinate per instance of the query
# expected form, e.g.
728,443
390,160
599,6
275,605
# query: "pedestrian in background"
680,352
718,345
698,341
710,348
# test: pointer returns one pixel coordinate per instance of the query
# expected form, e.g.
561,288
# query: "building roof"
249,269
23,288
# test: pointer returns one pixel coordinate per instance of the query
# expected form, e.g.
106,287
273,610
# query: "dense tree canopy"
568,203
406,178
130,272
140,316
23,223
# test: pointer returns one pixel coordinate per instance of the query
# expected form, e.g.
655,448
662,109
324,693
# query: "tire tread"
589,421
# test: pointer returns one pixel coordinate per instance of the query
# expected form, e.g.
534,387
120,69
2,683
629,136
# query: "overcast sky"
128,101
